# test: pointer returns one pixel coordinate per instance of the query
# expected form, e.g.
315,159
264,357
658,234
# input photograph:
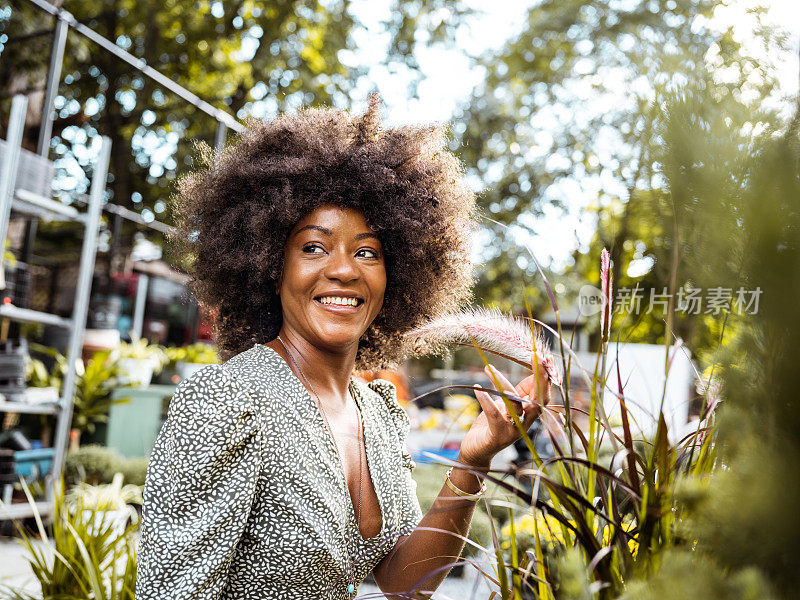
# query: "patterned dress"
245,496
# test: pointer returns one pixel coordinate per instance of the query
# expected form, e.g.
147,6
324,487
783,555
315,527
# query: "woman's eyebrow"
319,228
328,232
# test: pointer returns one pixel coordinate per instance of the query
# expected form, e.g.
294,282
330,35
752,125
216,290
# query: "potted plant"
107,503
84,554
95,383
139,360
194,357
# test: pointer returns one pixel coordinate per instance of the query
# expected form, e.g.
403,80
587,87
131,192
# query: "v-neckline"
368,445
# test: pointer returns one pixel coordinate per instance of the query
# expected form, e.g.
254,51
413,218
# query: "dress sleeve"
408,503
199,488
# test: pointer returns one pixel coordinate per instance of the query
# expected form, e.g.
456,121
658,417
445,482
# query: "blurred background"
652,128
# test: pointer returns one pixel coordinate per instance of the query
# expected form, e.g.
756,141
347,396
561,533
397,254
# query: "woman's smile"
340,303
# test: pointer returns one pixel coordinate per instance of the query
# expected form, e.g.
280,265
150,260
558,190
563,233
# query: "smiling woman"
321,240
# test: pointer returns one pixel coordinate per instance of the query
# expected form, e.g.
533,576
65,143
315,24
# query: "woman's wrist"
474,462
465,474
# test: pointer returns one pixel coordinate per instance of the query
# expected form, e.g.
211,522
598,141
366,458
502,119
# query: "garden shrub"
92,463
97,464
134,470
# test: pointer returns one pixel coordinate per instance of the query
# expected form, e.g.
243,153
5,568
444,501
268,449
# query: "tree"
569,111
247,57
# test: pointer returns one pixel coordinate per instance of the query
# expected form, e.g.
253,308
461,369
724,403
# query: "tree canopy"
569,115
246,57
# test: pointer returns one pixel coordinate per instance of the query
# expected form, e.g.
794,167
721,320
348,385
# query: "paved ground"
16,575
14,570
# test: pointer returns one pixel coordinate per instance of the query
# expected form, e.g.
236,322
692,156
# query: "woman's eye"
369,253
313,249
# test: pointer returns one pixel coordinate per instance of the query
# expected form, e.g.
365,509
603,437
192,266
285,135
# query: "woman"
321,240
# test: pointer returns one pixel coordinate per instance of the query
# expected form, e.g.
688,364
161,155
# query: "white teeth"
339,300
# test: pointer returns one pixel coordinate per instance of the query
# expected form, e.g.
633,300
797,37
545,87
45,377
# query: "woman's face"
333,279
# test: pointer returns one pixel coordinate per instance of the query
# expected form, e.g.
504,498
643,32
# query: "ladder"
33,204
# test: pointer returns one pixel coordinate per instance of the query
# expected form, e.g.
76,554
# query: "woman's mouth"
339,304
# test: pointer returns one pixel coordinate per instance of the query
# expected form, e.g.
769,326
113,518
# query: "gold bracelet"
466,495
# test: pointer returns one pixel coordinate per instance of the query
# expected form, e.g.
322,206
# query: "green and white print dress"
245,497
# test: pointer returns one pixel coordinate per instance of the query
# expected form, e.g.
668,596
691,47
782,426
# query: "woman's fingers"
532,412
495,408
527,387
505,386
548,394
497,377
488,405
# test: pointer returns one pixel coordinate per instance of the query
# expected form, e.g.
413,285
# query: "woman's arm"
415,556
199,488
423,553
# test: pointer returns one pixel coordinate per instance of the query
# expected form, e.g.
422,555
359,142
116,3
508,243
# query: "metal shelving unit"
35,205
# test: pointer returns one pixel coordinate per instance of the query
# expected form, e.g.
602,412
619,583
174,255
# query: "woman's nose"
341,266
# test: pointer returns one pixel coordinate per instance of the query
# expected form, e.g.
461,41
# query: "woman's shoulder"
261,370
385,393
207,392
395,416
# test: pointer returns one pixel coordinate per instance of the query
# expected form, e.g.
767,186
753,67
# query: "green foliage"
567,117
96,380
37,373
685,574
702,163
93,391
711,517
573,581
134,470
85,556
92,463
98,465
592,527
199,352
745,521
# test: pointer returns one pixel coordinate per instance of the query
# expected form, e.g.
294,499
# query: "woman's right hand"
494,428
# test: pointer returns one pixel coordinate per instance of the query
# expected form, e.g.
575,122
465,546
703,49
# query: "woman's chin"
339,338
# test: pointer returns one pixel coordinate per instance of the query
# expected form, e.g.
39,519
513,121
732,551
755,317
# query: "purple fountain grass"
711,390
607,292
494,332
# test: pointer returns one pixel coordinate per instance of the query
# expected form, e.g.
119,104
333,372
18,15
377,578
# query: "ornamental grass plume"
607,292
494,332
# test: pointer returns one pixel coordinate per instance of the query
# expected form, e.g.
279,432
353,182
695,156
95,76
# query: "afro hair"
235,212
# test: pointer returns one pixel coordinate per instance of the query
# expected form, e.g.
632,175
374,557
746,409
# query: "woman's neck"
327,372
